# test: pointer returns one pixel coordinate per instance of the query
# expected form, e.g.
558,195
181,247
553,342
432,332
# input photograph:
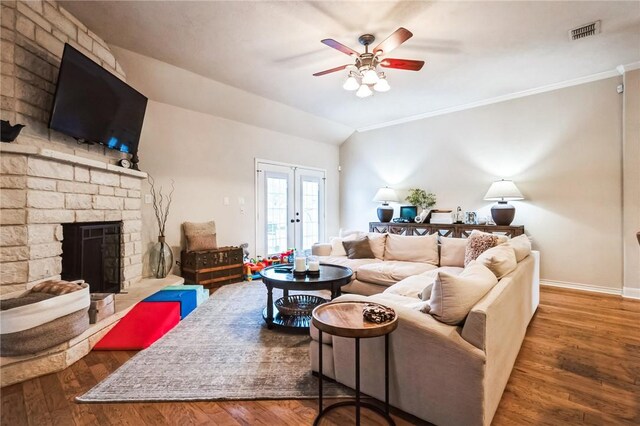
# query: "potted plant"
423,199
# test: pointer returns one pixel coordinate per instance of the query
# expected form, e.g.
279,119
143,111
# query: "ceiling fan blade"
339,46
398,37
329,71
402,64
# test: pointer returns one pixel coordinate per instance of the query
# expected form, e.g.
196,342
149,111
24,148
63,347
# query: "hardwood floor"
579,364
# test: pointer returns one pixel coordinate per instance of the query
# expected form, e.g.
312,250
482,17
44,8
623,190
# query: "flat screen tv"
94,106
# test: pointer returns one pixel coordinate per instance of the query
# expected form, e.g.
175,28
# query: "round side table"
344,319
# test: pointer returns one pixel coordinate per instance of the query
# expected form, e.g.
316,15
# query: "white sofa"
444,374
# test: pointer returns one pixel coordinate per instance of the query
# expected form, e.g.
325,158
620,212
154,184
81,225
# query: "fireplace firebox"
91,252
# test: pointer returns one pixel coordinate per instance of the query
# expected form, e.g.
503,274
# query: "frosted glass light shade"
382,85
370,76
364,91
351,84
503,190
385,195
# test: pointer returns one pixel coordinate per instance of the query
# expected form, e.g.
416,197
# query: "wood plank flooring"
579,365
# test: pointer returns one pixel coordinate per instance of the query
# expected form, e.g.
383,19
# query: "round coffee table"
331,277
344,319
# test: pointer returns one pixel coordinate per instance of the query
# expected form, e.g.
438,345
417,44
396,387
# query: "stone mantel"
41,189
68,158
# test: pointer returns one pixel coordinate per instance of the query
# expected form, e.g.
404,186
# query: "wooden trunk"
212,267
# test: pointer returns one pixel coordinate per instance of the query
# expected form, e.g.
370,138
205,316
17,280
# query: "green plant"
421,198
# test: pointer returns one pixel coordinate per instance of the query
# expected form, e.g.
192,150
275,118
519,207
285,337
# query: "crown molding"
542,89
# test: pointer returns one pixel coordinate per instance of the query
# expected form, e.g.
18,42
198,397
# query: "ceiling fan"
364,74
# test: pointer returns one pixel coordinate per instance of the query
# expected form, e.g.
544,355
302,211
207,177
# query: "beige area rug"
221,351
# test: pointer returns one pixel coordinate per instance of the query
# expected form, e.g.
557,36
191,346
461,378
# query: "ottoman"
202,294
187,299
144,324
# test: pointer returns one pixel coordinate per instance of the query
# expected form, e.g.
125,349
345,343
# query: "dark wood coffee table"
331,277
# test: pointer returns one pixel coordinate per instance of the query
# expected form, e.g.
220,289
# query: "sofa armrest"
321,249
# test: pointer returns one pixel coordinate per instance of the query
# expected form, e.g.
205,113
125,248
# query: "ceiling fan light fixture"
364,91
382,85
370,76
351,83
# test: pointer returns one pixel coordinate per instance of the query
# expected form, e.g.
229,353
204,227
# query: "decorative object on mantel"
9,133
161,257
503,191
385,196
420,198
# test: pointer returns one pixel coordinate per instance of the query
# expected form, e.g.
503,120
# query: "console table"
457,230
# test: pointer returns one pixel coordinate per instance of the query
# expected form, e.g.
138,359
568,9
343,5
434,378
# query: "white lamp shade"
351,84
385,195
370,76
503,190
364,91
382,85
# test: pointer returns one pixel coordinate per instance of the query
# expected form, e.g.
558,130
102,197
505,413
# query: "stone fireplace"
41,189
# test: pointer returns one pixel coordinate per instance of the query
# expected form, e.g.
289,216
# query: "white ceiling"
474,50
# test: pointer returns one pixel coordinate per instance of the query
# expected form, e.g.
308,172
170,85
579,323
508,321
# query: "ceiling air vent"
583,31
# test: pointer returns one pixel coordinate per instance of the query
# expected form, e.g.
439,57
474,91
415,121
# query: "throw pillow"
202,242
358,249
521,245
55,287
499,259
194,229
478,242
453,296
452,251
337,249
414,285
412,248
377,242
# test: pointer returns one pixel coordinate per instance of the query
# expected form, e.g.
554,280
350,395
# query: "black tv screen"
93,105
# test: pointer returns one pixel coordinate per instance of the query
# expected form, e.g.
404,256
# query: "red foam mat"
141,326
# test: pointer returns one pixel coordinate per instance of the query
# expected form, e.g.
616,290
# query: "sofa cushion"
478,242
193,229
337,249
377,242
391,271
358,248
414,285
499,259
521,245
452,251
354,264
453,296
422,249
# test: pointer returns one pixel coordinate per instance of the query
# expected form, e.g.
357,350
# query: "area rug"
221,351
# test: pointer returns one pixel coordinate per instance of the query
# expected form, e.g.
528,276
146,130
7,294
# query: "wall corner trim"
542,89
631,293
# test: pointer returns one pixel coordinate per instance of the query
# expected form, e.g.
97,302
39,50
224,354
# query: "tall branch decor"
161,254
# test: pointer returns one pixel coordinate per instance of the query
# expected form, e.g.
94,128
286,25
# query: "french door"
290,207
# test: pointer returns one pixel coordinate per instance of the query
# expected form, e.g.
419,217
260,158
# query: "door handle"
297,220
292,221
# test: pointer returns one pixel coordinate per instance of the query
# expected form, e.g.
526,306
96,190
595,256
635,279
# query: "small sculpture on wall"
9,133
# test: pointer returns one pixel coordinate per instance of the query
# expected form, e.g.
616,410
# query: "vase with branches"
423,199
161,258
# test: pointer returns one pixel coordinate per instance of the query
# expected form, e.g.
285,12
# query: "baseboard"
583,287
631,293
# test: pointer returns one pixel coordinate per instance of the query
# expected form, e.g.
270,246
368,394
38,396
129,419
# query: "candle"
300,264
314,263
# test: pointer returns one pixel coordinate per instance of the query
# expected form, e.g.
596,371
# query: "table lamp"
385,195
503,191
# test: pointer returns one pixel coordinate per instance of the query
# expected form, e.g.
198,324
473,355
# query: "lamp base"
503,213
385,213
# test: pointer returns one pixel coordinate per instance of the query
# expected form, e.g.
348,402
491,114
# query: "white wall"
562,148
210,158
631,166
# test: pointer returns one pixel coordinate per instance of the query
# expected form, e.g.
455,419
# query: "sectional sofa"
449,363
